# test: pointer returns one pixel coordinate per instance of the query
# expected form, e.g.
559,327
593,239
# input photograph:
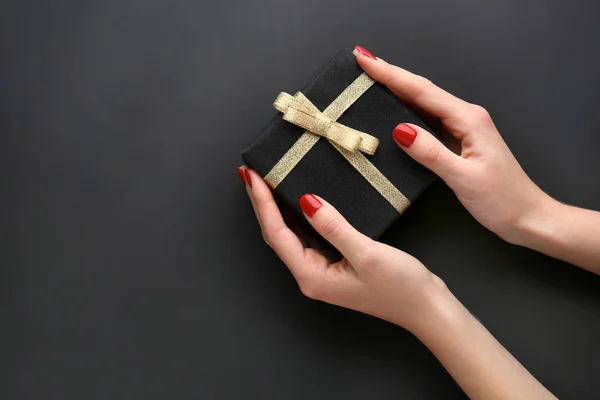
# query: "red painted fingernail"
248,177
365,52
241,174
310,204
405,135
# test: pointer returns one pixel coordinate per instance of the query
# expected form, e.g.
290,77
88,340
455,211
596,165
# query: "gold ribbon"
300,111
349,142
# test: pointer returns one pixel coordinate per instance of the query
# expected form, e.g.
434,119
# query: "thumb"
330,224
427,150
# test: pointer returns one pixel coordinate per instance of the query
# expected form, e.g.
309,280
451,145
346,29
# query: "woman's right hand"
485,176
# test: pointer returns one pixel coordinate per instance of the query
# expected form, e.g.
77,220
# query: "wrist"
439,305
539,224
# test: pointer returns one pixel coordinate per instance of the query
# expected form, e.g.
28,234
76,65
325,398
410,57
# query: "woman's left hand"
372,278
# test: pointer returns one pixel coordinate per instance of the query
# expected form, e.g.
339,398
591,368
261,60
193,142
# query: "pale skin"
387,283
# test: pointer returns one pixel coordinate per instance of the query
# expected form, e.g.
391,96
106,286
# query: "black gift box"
325,172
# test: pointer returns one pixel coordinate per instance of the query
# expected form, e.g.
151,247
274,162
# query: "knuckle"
432,155
309,289
266,239
330,227
267,235
480,114
438,282
369,257
272,235
421,84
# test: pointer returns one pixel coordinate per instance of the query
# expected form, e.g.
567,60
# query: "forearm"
568,233
482,367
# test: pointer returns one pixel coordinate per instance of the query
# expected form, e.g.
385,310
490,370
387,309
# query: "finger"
451,141
281,239
242,173
427,150
330,224
413,88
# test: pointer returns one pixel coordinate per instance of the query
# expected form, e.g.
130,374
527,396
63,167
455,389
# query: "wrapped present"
334,139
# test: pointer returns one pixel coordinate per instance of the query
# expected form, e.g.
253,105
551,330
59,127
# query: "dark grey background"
131,263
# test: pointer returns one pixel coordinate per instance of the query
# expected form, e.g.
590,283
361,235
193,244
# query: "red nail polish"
365,52
248,177
405,135
241,174
310,204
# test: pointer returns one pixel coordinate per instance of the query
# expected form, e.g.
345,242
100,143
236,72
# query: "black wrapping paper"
325,172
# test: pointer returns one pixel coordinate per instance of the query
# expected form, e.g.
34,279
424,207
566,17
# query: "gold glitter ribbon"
349,142
300,111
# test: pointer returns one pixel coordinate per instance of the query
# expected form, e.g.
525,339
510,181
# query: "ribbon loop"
300,111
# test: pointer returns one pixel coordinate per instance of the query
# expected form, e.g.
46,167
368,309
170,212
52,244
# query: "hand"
372,278
486,177
389,284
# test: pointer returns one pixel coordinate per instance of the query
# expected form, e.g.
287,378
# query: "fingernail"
248,177
310,204
405,135
365,52
241,174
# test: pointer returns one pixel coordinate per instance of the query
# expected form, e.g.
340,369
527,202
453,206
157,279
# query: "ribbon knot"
322,124
300,111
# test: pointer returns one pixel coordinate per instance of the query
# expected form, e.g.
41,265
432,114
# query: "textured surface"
131,265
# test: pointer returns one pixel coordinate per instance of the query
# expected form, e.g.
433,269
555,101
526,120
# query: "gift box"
334,139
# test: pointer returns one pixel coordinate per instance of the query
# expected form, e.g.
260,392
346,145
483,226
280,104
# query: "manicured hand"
389,284
485,176
372,277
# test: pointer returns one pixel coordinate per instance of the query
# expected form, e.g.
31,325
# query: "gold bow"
300,111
